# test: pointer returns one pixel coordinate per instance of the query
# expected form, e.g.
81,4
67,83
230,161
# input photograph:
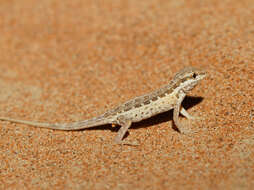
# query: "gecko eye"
194,75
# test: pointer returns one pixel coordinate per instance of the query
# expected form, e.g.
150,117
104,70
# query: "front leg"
177,106
186,114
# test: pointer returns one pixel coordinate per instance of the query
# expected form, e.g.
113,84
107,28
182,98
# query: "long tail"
96,121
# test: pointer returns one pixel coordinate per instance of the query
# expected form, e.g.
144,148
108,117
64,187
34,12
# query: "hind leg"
125,125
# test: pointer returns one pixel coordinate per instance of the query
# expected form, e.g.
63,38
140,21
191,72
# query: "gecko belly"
146,111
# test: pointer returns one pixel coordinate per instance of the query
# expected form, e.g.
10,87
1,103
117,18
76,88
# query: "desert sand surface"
65,61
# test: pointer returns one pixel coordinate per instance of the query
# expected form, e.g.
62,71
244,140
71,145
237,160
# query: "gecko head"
188,78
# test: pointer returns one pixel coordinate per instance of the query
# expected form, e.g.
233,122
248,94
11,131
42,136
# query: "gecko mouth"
201,76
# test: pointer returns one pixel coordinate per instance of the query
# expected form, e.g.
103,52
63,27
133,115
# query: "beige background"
63,61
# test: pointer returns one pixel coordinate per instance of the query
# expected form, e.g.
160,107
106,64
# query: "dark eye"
194,75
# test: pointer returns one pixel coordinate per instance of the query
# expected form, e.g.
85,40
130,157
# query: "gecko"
169,96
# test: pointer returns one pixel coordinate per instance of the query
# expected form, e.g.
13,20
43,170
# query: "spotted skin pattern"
166,98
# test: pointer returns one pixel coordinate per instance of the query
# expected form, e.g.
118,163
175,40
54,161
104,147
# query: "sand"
64,61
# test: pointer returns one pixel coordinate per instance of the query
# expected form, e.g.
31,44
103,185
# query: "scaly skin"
166,98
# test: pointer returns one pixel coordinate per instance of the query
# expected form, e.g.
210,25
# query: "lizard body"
161,100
